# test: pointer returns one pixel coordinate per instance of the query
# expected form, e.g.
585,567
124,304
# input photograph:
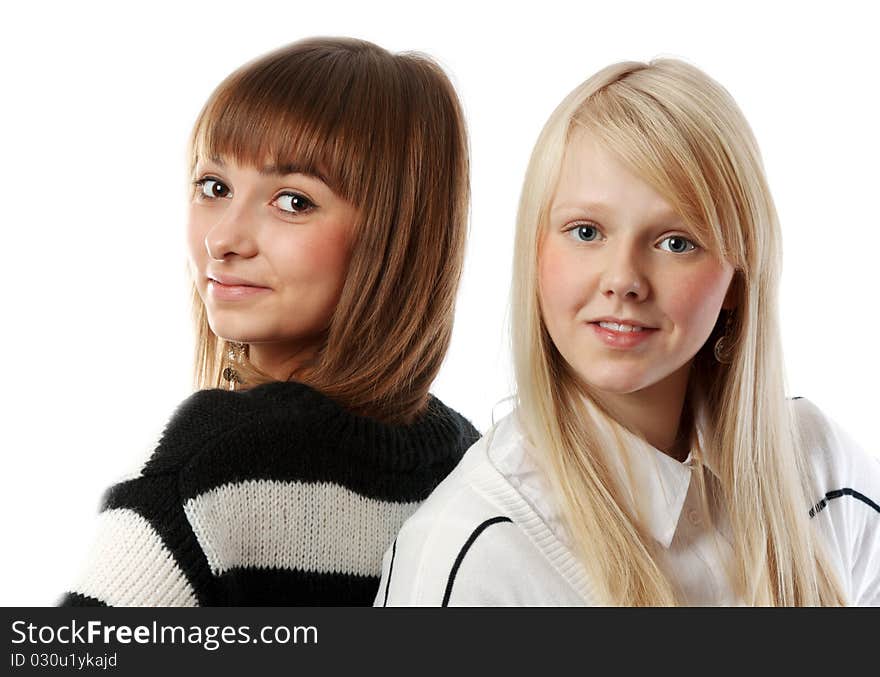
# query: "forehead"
594,179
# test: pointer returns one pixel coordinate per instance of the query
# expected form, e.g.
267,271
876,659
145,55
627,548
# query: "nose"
623,276
234,234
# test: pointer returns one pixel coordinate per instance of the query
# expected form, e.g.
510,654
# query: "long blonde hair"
387,133
684,135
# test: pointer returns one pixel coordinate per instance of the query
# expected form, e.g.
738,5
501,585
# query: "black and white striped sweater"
269,496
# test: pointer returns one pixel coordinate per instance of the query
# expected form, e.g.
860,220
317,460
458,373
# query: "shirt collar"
654,485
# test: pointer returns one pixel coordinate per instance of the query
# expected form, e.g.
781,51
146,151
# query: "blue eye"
294,203
676,244
585,233
212,188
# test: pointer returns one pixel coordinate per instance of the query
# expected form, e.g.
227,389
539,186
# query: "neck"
654,412
281,360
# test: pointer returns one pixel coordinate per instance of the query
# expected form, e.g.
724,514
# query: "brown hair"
385,132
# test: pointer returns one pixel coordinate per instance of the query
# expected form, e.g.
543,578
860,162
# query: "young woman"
326,234
652,457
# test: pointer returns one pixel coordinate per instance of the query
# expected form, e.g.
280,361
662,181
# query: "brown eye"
212,188
294,203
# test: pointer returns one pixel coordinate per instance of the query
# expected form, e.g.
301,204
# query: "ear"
731,299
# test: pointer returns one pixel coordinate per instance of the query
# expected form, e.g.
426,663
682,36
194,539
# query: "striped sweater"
269,496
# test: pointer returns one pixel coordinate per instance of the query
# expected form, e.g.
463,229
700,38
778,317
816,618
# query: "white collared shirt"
491,533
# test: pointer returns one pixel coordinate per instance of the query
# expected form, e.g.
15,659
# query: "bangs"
663,144
257,136
293,113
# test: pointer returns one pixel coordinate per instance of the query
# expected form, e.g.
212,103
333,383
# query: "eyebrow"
282,170
602,209
597,207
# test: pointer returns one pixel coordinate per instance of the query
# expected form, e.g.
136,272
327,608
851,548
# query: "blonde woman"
652,457
326,233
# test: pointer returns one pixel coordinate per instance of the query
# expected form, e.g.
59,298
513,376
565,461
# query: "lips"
232,288
625,328
622,323
621,333
233,281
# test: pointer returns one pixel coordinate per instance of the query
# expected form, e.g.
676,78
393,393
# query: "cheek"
319,258
563,282
695,298
196,230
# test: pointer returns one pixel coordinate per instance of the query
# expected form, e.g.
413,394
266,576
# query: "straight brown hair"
385,132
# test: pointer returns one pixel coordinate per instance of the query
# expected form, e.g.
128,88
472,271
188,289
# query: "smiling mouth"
232,281
236,284
621,336
233,292
623,328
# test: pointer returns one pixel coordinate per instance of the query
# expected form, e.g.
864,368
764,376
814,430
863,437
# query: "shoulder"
845,501
443,415
205,417
457,525
470,542
216,436
840,466
290,432
465,495
269,414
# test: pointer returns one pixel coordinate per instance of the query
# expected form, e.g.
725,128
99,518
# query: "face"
269,253
627,293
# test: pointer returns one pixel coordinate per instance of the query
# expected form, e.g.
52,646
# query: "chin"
238,332
620,381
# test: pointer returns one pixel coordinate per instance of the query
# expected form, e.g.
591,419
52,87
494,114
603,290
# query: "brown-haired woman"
326,236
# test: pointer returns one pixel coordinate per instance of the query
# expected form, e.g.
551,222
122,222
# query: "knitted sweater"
270,496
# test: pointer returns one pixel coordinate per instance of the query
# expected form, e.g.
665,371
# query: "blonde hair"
683,134
386,132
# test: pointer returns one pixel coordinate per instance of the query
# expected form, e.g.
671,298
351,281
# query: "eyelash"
199,185
575,227
693,245
309,205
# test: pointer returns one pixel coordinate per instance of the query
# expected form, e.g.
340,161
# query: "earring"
234,355
721,345
230,376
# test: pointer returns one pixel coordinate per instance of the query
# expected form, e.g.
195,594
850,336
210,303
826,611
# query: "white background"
97,101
